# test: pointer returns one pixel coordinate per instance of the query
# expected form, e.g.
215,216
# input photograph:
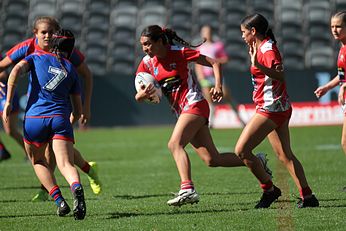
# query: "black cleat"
63,209
268,198
4,155
308,202
79,207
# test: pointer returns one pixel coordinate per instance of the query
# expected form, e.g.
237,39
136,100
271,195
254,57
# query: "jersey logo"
156,71
58,76
173,66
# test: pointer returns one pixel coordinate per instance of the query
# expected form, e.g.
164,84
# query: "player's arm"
84,71
145,92
19,69
275,71
199,72
320,91
77,107
5,63
216,91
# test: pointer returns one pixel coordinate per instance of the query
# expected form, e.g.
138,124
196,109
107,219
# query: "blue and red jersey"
27,47
51,85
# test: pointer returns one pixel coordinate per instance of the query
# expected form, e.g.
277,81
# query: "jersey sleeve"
190,54
142,67
30,60
18,52
77,57
271,58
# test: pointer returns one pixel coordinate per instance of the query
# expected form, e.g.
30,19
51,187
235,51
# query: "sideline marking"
284,211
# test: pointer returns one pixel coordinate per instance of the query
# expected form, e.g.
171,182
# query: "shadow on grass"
136,197
29,215
176,211
38,186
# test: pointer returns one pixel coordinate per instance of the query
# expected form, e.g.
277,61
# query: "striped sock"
55,193
86,167
188,184
2,146
75,185
305,192
267,187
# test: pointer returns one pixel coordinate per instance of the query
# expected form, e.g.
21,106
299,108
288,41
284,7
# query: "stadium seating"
318,57
340,5
303,24
180,18
265,7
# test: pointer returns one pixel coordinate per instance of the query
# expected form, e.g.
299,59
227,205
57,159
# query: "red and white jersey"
342,64
269,94
175,76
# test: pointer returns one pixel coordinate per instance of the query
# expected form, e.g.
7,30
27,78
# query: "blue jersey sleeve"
19,51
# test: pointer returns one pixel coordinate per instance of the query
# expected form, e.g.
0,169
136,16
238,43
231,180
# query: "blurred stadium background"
108,31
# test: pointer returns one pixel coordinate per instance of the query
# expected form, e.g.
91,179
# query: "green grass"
138,174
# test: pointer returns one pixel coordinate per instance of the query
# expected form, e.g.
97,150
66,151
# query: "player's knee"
285,157
173,145
240,152
210,162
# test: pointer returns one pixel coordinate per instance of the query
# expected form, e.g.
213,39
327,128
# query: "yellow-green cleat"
95,183
42,195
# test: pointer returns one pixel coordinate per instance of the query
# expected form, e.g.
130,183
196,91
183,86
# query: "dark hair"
63,41
260,23
342,15
155,32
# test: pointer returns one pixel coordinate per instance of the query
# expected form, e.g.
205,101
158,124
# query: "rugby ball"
143,79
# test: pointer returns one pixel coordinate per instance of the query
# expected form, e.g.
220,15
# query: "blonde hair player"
43,28
338,29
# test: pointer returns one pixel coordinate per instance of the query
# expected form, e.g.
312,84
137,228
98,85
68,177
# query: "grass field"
139,174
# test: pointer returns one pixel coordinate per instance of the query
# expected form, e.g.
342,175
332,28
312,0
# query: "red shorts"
277,117
200,108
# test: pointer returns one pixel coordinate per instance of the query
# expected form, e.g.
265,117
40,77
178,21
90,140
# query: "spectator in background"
338,29
273,113
53,83
216,50
43,28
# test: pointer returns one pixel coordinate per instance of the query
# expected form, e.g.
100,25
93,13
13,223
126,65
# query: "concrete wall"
113,102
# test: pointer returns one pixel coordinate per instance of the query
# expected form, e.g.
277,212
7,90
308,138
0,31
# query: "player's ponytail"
168,36
62,44
172,35
260,23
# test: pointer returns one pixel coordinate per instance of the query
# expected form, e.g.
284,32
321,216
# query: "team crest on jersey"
173,66
156,71
341,74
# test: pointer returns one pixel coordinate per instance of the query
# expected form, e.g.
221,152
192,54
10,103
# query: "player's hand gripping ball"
143,79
